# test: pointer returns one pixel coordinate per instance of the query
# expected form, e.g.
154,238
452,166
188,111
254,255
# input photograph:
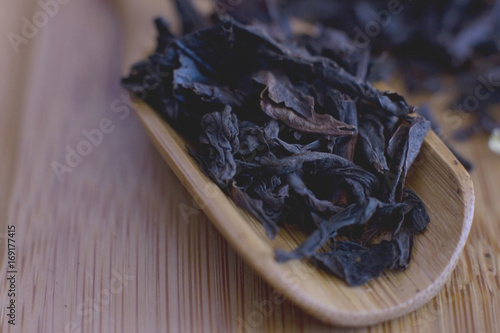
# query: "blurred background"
108,240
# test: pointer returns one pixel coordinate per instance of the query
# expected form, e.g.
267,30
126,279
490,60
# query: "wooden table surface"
112,242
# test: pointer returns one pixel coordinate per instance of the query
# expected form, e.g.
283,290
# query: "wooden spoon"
442,183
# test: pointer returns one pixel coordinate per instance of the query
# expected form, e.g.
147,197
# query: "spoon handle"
136,18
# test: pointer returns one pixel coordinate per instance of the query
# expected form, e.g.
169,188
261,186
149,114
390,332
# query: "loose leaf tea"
420,40
294,138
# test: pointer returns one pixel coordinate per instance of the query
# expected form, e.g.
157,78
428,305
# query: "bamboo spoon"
441,182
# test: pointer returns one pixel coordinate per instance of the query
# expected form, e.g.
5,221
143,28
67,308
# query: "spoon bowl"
441,182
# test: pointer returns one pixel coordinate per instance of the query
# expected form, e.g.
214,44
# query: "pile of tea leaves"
420,41
294,138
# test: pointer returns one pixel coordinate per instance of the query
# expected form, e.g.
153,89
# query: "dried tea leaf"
358,213
281,91
256,208
372,142
220,133
357,264
323,124
322,207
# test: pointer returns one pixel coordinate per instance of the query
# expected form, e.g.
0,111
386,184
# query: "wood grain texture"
109,249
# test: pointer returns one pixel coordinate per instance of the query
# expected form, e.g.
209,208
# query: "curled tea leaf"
323,124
